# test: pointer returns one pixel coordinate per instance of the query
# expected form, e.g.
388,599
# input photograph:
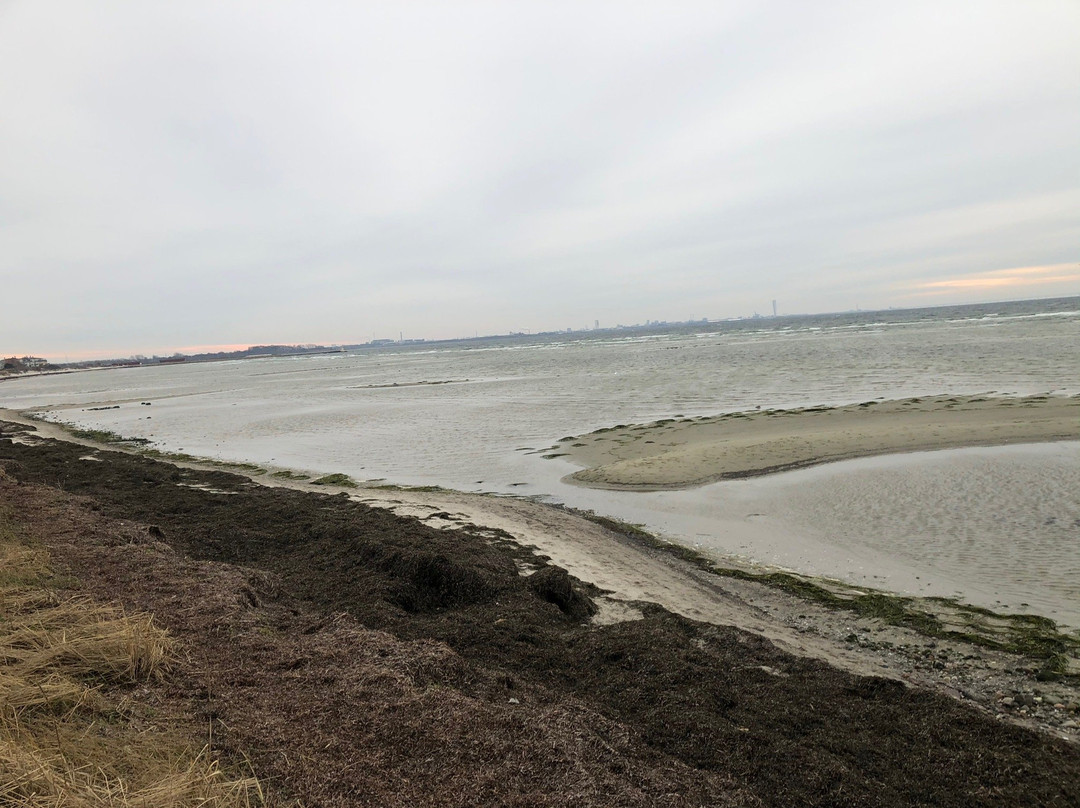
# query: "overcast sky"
186,174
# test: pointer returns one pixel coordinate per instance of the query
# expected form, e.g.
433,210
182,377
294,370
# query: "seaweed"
338,479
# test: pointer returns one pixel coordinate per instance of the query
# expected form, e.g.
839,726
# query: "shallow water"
502,402
998,527
1002,520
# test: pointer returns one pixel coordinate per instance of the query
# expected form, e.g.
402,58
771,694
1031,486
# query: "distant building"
20,363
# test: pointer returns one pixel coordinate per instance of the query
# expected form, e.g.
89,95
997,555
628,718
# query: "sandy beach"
426,632
631,572
686,452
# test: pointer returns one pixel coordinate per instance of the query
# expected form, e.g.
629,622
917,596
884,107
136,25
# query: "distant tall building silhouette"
774,308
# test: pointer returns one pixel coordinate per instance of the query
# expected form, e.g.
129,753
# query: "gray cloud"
211,173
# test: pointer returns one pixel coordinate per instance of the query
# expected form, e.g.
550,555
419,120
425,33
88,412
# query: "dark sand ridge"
686,452
362,658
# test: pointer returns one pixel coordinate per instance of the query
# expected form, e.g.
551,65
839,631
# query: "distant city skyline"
191,350
178,176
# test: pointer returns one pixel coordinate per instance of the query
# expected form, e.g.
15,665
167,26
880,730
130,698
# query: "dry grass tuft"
19,565
79,638
66,738
49,693
43,778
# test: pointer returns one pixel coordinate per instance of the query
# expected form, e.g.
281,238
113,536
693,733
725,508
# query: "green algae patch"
341,480
285,474
106,436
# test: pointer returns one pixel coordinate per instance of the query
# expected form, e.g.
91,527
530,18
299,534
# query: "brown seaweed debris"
495,673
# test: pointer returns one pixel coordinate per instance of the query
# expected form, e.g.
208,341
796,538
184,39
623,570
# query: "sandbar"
676,453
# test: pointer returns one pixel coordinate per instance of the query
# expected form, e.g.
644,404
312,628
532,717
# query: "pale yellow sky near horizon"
1034,278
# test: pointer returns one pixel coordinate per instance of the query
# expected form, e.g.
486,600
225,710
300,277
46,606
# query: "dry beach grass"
70,734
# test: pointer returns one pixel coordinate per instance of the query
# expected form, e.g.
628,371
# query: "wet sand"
687,452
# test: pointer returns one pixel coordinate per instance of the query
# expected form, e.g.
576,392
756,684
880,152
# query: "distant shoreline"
729,325
682,453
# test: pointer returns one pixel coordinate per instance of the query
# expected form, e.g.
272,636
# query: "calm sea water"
468,415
